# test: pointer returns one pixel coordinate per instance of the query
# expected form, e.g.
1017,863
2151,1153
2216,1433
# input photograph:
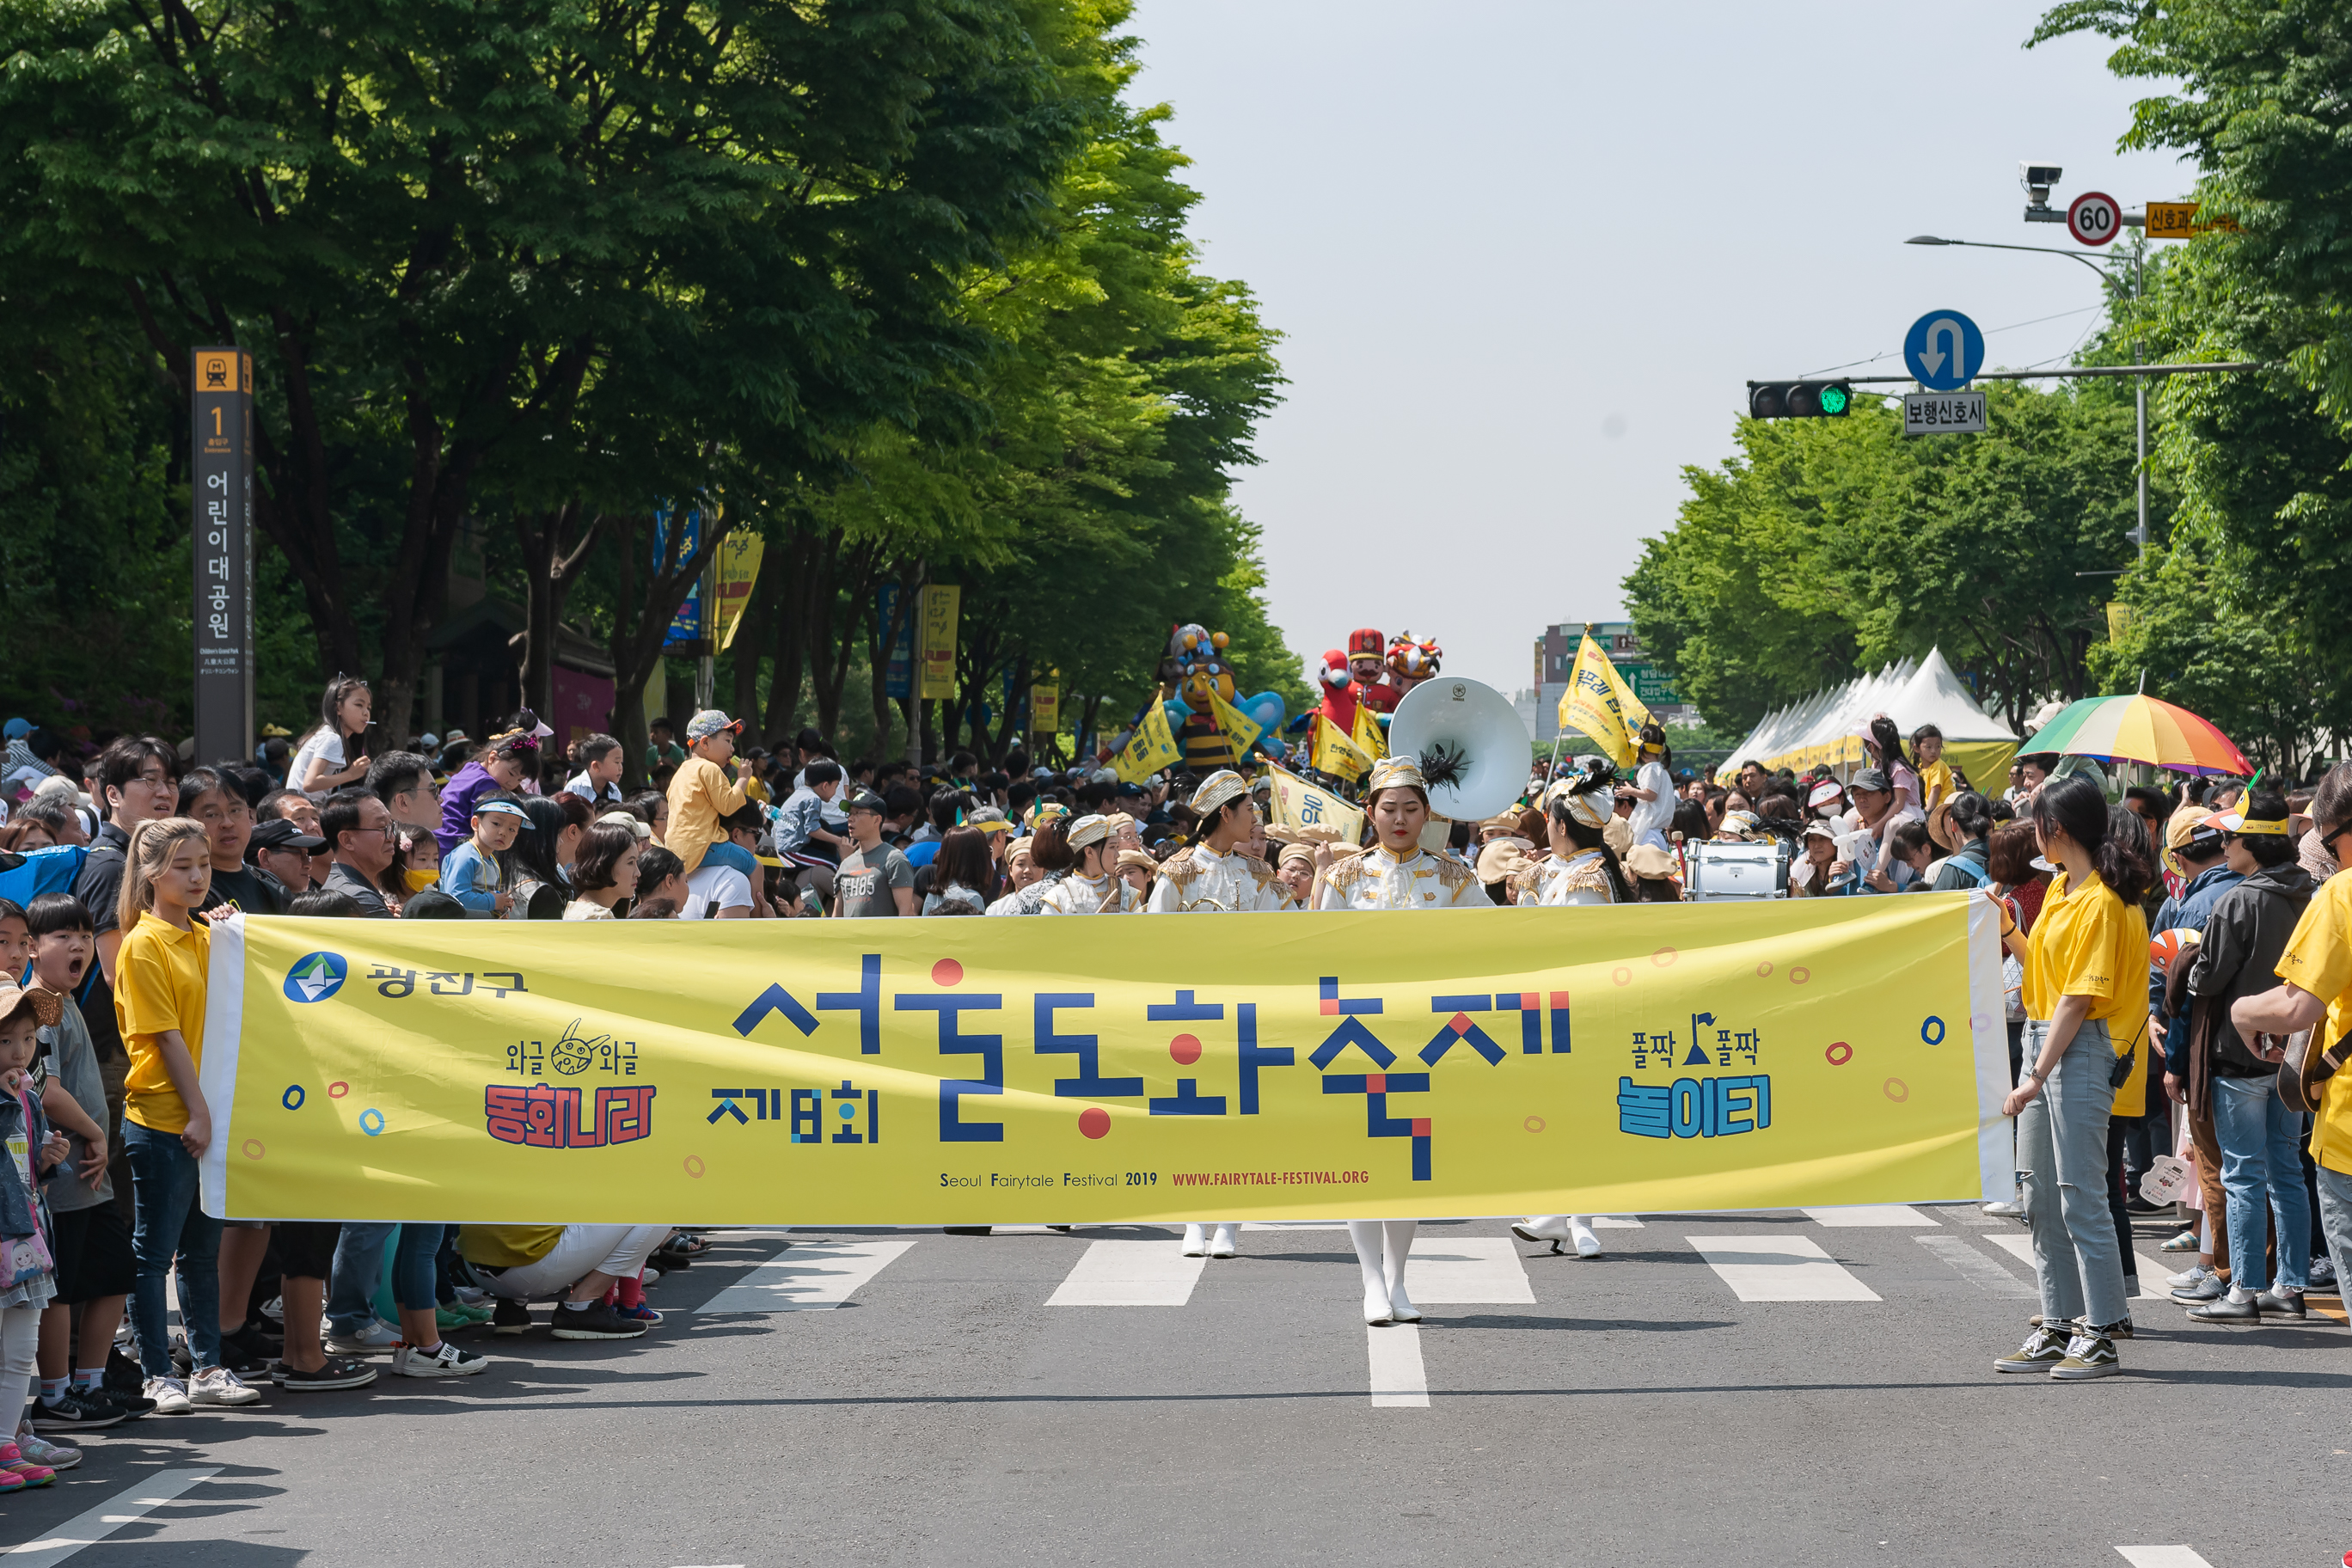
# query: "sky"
1524,259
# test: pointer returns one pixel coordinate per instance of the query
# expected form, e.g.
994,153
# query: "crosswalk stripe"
1779,1269
123,1508
1399,1380
2152,1273
1466,1271
1129,1273
1977,1268
1615,1222
808,1277
2163,1557
1856,1217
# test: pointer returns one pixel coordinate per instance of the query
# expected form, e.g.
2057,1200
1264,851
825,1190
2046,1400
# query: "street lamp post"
2139,397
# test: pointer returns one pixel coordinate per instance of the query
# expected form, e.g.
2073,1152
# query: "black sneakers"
509,1317
595,1322
340,1372
81,1410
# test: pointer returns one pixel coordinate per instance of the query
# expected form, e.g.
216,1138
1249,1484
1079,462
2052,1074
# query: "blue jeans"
412,1267
2335,1218
169,1224
2258,1136
359,1261
734,856
2061,1147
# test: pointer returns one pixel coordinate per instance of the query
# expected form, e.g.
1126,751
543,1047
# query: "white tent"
1826,728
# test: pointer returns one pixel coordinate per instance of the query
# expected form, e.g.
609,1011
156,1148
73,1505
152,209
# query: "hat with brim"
1651,863
1939,827
1302,853
1870,779
1825,793
1817,829
1091,828
279,833
865,800
628,819
502,808
1137,860
1219,787
1501,860
46,1006
1395,773
710,723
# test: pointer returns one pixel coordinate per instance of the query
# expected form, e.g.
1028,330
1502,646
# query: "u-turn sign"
1944,351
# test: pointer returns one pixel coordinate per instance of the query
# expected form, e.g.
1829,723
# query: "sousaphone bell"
1472,749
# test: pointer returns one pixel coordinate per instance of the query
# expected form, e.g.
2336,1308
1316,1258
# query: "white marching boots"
1575,1228
1382,1249
1196,1241
1225,1240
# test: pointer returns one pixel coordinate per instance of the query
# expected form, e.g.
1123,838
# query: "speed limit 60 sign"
2095,217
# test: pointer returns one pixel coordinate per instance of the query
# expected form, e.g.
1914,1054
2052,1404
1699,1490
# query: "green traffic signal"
1834,399
1799,399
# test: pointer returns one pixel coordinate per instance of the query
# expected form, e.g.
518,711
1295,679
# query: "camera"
2037,179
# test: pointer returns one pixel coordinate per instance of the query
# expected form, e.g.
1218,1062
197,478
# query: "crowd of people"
124,864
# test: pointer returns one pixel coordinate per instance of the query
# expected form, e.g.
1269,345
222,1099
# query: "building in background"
1555,659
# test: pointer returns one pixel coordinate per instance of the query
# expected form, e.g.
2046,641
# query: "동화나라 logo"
315,977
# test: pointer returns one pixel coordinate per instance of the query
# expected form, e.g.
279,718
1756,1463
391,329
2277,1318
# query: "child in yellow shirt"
700,793
1934,774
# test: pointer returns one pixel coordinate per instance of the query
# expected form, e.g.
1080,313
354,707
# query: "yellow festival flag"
1299,804
1335,754
1240,729
1370,738
738,568
1600,705
1150,749
1655,1057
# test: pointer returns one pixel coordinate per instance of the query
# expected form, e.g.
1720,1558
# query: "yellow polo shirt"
159,984
2086,942
2318,958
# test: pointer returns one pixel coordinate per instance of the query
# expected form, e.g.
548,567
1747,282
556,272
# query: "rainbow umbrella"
2139,728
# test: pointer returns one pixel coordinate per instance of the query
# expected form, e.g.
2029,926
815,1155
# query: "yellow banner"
1335,754
1045,710
935,641
1240,729
738,568
1652,1058
1599,704
1299,804
1150,749
1370,738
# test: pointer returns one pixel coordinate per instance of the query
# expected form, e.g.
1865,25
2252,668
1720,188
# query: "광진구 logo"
315,977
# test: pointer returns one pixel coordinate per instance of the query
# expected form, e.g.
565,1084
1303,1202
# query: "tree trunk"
548,567
641,622
787,626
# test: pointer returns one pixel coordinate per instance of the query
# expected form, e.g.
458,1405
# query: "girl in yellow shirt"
159,1000
2086,967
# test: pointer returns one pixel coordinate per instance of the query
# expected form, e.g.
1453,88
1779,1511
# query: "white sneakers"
444,1360
2194,1275
218,1386
1559,1227
378,1335
1214,1239
170,1394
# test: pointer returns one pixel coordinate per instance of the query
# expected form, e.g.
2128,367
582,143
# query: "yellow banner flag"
1370,738
887,1072
738,568
1045,710
1240,729
1334,754
935,650
1152,747
1298,806
1600,704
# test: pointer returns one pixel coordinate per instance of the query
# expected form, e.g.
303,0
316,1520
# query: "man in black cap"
281,851
874,878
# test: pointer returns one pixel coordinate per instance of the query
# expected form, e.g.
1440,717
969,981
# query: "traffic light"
1799,399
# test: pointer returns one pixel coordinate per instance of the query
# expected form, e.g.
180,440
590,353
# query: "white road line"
1856,1217
2163,1557
1129,1273
1615,1222
2152,1274
1467,1272
807,1278
1293,1225
123,1508
1977,1268
1398,1379
1779,1269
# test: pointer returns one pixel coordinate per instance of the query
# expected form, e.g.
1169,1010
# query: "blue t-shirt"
470,877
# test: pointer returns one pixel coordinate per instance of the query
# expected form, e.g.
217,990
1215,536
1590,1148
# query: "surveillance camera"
2042,175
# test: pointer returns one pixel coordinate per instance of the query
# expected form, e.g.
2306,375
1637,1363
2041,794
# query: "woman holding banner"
2085,965
1396,873
1212,875
1584,870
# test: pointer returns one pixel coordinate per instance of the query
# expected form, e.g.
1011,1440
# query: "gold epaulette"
1178,868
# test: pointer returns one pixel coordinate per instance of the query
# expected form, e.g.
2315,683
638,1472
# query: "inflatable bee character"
1194,668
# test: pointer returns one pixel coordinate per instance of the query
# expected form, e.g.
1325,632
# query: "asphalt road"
976,1401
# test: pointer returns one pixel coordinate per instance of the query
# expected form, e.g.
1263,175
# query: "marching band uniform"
1380,879
1582,878
1078,894
1197,880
